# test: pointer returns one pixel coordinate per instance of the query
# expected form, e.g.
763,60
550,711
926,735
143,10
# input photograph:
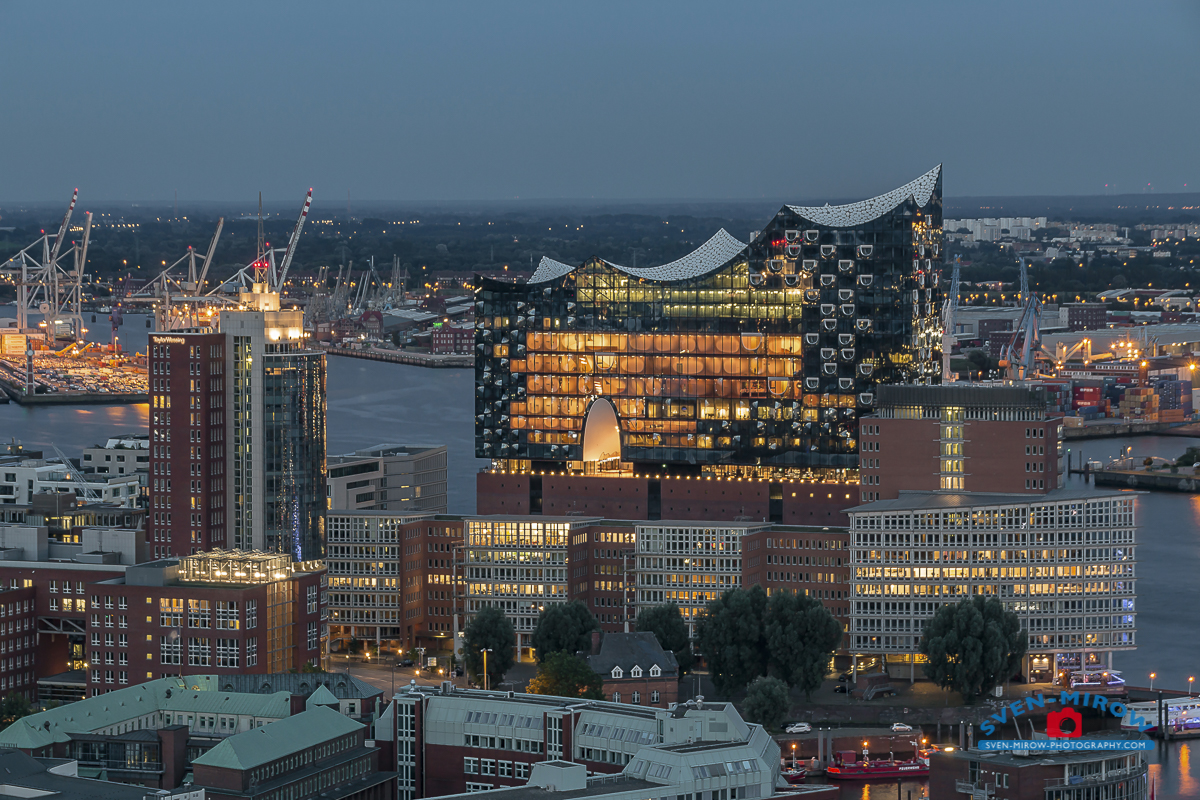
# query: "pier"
406,357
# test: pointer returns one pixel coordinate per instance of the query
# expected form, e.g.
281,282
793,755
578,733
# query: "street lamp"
1190,679
793,756
1153,675
421,656
485,651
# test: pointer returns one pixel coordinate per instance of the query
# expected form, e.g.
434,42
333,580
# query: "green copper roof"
321,697
278,739
194,694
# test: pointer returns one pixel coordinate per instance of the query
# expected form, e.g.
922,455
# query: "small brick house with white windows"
635,667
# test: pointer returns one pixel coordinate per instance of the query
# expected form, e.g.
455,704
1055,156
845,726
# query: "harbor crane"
52,284
181,302
263,270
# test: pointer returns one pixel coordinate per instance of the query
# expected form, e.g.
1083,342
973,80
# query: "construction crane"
85,491
48,286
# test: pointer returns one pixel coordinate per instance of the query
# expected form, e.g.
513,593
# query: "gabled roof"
715,253
321,697
629,650
851,214
278,739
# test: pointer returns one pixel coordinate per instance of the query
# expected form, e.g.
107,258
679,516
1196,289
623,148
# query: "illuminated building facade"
519,565
737,360
1063,561
275,412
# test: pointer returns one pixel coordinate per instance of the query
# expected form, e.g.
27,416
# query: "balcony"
977,791
1109,776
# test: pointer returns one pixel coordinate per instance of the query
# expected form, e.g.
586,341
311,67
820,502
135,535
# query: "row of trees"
767,645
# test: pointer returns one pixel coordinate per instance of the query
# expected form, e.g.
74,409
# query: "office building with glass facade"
739,360
275,402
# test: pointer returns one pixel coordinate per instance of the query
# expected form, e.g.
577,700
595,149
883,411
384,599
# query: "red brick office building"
959,438
215,613
187,442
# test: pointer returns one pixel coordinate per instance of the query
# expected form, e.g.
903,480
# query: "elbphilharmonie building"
751,359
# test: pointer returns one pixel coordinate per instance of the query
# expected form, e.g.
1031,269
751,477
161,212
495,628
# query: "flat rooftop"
914,501
595,788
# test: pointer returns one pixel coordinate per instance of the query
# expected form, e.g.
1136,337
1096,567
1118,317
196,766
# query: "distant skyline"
620,101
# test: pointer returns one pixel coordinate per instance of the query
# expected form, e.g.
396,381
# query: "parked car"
840,688
798,727
845,676
405,662
900,727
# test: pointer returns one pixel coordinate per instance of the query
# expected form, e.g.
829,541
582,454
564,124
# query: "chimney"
595,643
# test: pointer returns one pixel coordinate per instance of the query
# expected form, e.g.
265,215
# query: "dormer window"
636,672
618,672
655,671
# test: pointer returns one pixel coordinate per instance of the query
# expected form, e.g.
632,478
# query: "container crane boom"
62,232
292,242
212,248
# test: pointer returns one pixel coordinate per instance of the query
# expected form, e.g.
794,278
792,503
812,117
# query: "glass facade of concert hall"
752,360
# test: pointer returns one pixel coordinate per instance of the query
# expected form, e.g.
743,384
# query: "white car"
798,727
900,727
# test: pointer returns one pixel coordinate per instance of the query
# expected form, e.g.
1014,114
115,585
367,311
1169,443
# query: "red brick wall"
496,493
999,457
815,561
668,689
19,637
681,498
145,632
187,443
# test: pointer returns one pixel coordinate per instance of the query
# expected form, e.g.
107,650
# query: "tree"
667,625
730,634
490,628
972,646
13,708
766,701
564,626
565,674
801,636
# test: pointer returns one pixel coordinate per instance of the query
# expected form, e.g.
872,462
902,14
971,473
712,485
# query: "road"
384,676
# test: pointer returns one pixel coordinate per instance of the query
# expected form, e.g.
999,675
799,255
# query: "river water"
372,403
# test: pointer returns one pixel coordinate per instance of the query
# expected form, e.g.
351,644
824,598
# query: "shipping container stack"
1058,396
1088,399
1174,399
1139,403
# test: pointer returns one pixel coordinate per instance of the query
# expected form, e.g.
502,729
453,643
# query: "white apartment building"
22,478
1064,561
689,563
519,565
120,455
389,477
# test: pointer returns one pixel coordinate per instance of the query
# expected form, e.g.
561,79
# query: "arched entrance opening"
601,437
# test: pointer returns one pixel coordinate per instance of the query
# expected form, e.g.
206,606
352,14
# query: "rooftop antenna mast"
260,261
